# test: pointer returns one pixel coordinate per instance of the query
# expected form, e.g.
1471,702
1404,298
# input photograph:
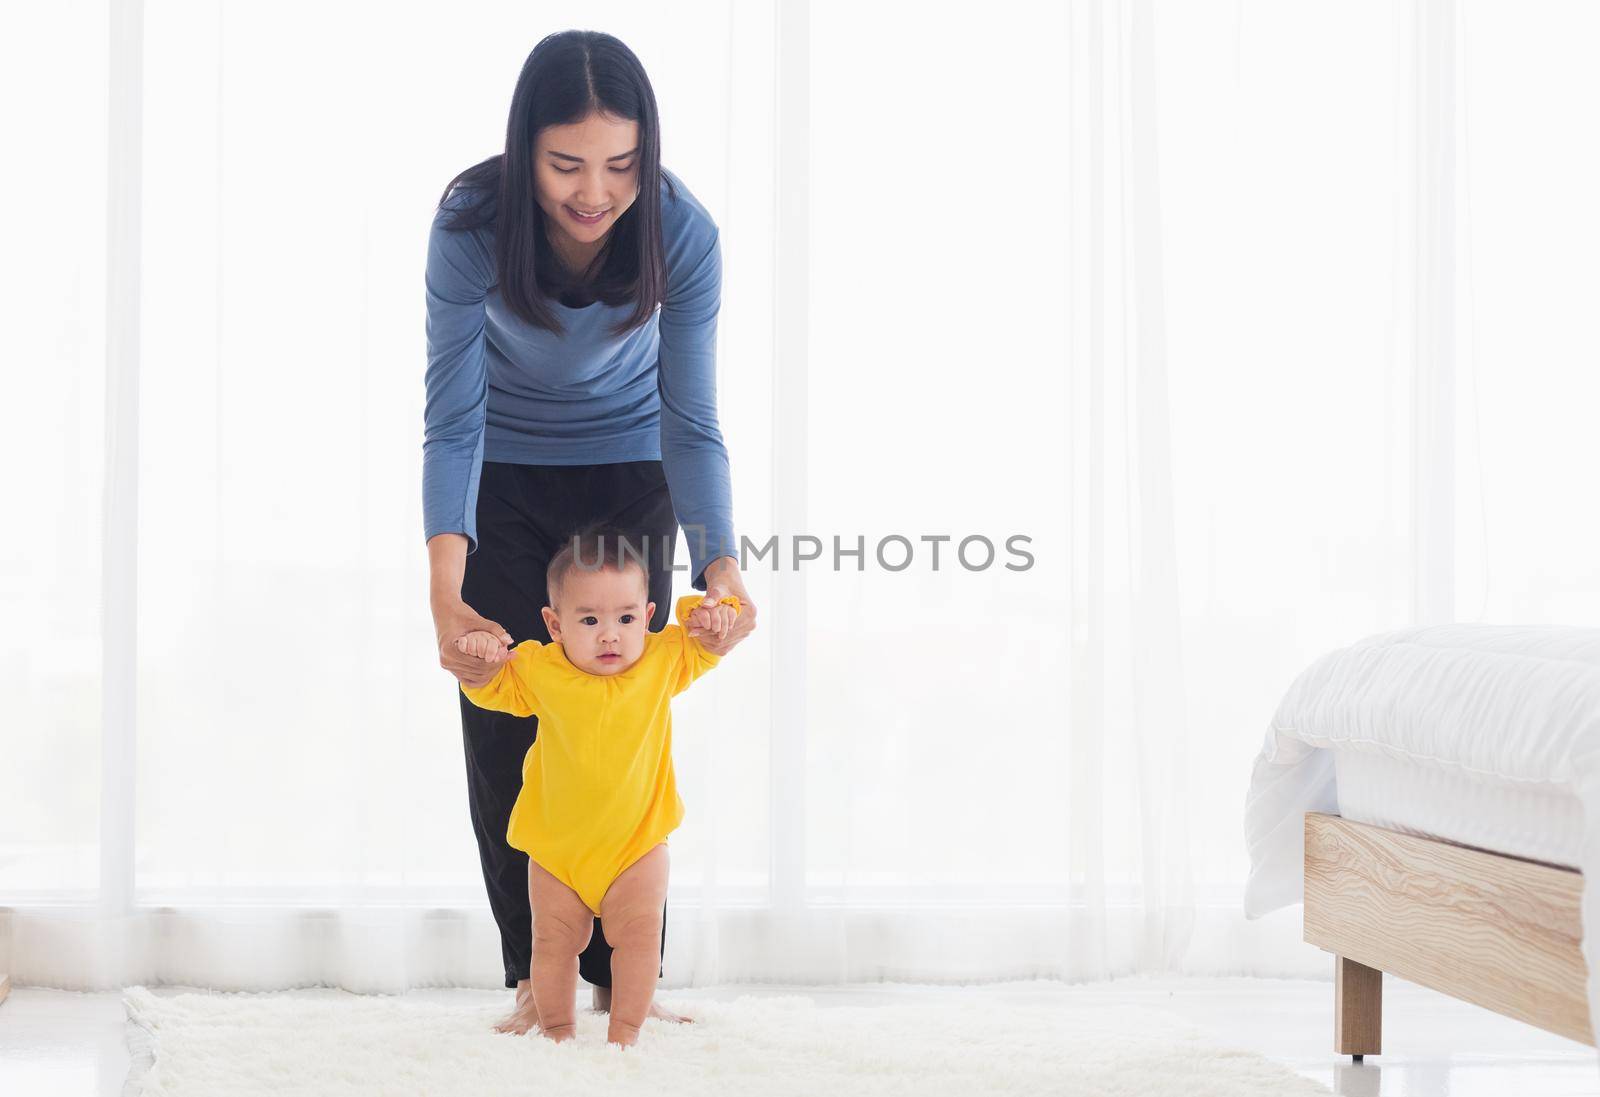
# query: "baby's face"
600,619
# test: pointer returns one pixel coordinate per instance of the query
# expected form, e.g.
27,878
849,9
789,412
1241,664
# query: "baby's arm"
696,660
713,617
515,686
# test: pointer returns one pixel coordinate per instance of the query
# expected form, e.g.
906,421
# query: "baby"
598,792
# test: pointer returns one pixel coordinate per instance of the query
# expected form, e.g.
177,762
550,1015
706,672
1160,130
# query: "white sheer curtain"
1216,304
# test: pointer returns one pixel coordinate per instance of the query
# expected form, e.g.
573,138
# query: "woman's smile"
584,218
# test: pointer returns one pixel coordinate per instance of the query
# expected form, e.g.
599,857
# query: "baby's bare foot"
622,1034
560,1033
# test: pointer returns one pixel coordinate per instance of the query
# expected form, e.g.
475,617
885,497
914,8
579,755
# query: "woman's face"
588,167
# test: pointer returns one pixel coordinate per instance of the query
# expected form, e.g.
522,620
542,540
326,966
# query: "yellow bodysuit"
598,790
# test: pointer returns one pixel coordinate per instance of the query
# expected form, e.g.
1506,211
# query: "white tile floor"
63,1044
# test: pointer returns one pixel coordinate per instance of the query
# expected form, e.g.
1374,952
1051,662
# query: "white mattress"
1536,823
1486,735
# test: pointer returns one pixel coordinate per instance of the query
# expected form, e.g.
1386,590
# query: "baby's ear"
552,623
649,613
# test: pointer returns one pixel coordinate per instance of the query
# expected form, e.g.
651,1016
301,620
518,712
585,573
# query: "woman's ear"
552,623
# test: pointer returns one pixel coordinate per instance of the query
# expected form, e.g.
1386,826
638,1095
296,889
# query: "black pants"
526,513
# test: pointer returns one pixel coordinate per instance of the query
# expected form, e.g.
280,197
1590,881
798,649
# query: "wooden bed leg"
1357,1008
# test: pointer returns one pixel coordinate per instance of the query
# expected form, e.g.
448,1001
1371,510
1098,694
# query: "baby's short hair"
598,548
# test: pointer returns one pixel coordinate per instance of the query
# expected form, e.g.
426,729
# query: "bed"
1432,796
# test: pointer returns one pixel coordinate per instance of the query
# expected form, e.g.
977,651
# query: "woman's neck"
574,256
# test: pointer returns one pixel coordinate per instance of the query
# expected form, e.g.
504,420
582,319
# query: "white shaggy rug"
205,1044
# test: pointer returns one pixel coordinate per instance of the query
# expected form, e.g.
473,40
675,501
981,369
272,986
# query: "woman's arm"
453,618
447,568
722,579
693,454
460,271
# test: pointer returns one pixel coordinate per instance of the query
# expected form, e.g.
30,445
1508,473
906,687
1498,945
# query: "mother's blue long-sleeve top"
500,389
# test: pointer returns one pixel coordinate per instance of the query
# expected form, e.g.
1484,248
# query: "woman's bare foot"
524,1016
602,1004
661,1013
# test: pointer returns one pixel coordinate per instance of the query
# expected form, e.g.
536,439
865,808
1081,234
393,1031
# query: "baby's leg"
630,917
562,924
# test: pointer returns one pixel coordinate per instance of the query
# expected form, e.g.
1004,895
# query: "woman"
559,397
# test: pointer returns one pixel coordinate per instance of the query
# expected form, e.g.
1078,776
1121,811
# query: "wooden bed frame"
1497,931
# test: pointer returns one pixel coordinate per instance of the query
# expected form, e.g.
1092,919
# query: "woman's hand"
723,579
453,620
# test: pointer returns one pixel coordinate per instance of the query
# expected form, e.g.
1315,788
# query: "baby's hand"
711,616
484,645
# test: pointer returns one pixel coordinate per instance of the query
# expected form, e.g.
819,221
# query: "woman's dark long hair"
567,77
